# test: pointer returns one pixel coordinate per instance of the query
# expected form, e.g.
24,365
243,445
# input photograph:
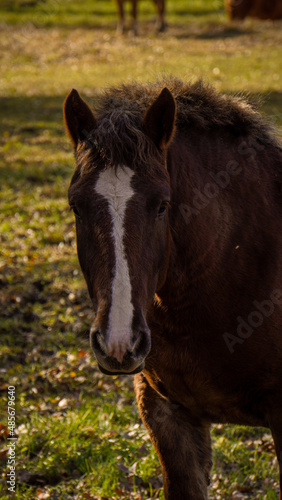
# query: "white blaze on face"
115,187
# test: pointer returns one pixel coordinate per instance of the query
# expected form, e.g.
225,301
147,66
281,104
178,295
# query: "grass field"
79,433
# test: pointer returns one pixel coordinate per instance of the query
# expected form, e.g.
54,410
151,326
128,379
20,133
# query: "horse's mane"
120,111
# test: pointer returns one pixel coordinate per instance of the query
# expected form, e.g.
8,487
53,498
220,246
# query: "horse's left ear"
79,119
159,120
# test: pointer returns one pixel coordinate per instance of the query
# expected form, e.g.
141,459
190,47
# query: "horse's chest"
203,400
202,391
188,393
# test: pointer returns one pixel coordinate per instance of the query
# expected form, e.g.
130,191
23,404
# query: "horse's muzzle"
128,361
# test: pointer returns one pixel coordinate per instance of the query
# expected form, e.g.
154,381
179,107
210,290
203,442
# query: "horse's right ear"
79,119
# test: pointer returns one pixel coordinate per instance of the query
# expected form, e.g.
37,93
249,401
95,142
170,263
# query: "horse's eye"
162,208
75,211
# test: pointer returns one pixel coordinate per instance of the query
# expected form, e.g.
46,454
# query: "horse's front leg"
184,449
134,17
120,25
160,23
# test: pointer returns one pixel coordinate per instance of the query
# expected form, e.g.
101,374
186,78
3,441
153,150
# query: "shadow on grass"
35,148
224,32
210,30
27,113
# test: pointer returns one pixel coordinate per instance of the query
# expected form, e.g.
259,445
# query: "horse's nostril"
97,343
142,345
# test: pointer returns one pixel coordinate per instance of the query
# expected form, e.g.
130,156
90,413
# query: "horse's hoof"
160,28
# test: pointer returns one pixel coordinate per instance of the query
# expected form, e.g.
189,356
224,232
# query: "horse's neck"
194,221
212,235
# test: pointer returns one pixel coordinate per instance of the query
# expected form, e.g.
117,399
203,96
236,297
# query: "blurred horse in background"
160,23
262,9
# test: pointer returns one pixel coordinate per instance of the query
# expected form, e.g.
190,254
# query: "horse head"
120,194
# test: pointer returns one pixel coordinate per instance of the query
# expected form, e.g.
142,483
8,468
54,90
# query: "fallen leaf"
42,494
63,403
3,431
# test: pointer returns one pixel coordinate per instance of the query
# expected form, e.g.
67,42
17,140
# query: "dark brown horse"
160,23
178,204
261,9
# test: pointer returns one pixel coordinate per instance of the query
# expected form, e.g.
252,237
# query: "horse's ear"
79,119
159,120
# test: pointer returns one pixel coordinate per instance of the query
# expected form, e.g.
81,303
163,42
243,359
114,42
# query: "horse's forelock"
119,139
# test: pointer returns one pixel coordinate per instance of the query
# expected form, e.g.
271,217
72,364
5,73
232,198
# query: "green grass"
80,435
